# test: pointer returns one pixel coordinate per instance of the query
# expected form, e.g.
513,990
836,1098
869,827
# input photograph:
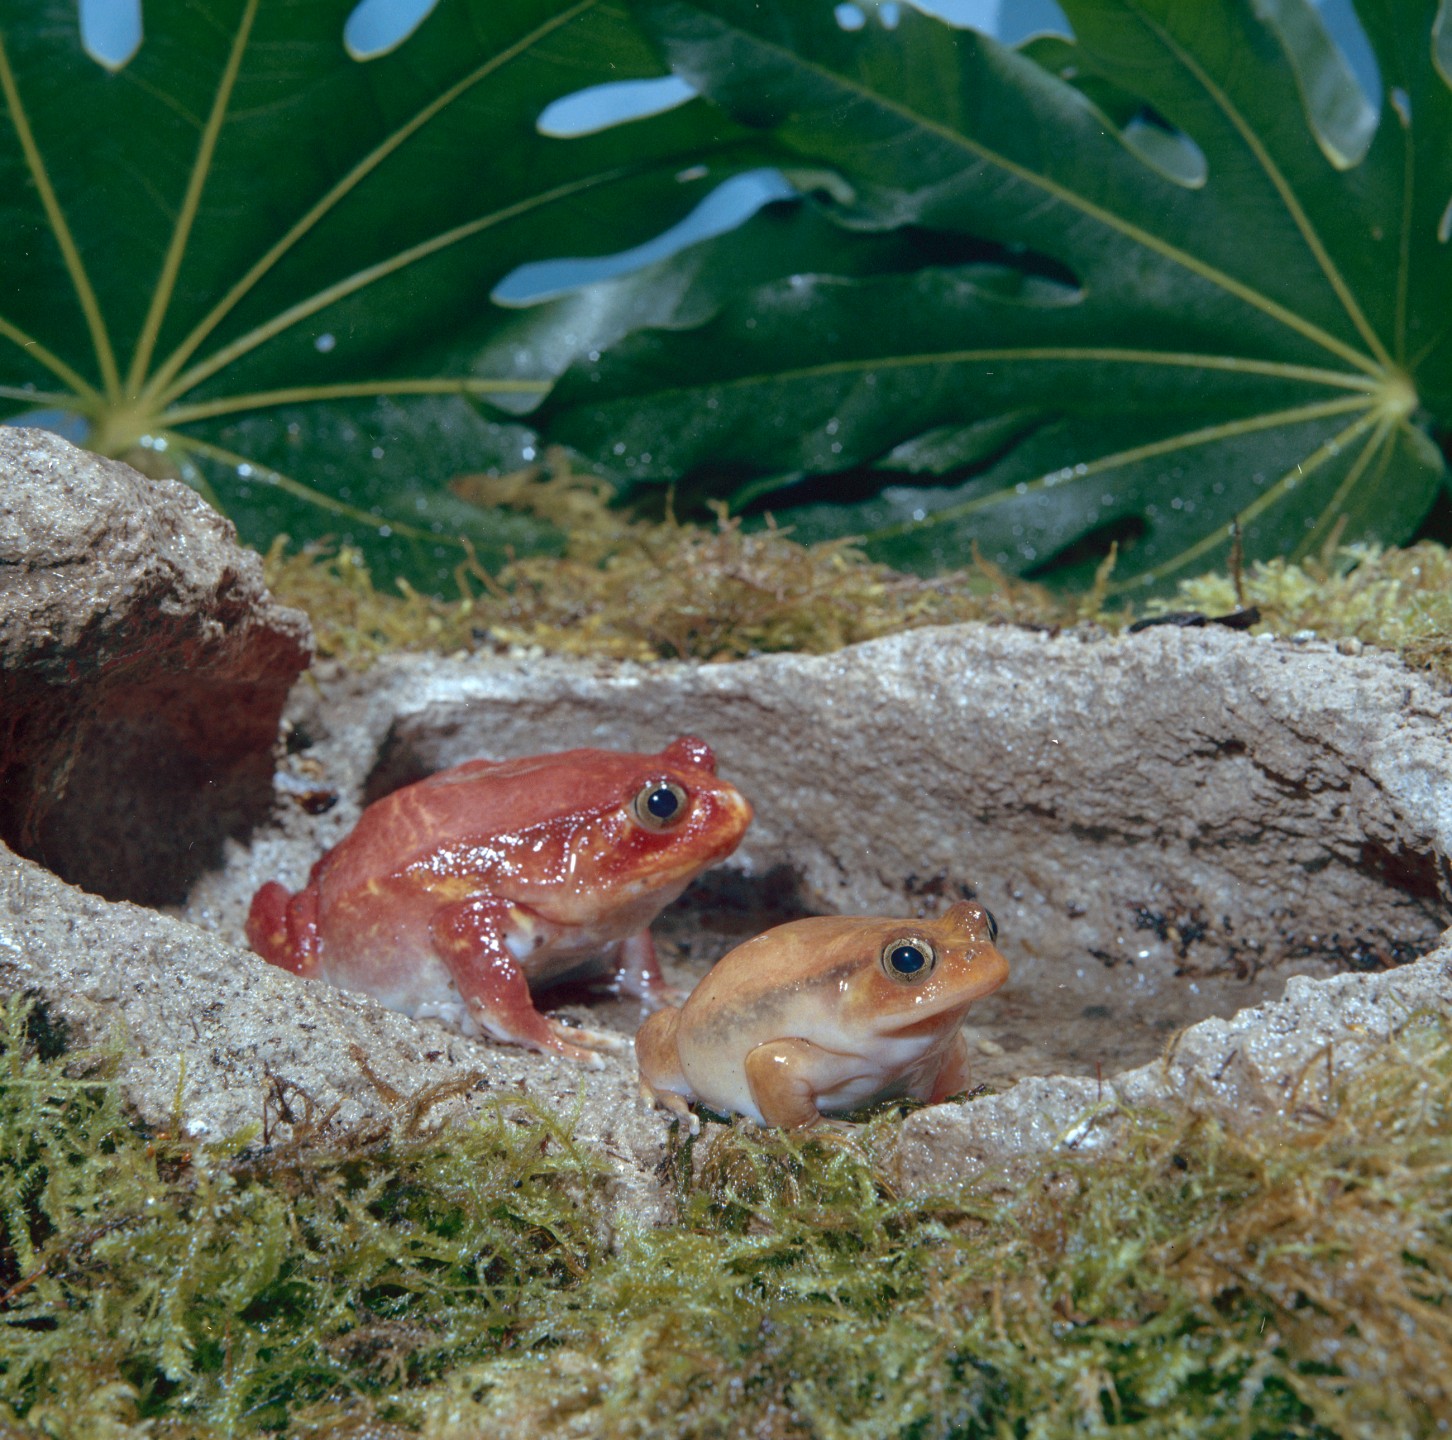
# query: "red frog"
456,896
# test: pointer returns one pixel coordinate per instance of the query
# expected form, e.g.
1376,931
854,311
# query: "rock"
1165,825
1214,861
210,1026
143,668
1283,1058
1169,828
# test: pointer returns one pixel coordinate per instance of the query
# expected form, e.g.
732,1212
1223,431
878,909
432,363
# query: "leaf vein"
1148,239
191,202
75,267
371,274
1235,364
311,394
233,461
161,382
1282,186
1185,440
82,387
1272,496
1376,440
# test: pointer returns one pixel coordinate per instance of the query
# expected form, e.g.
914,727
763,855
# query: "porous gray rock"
1287,1057
1173,829
143,667
1214,860
214,1035
1165,825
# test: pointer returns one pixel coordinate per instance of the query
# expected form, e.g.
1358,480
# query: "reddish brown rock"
143,668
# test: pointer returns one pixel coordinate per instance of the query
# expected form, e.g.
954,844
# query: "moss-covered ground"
642,590
1292,1279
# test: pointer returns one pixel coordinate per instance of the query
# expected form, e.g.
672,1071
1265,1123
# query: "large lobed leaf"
252,258
1227,303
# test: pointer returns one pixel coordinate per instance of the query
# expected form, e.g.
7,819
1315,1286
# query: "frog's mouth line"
955,1004
932,1020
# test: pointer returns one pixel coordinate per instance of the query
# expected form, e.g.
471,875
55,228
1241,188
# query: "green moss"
1290,1280
641,590
1398,600
1293,1279
229,1286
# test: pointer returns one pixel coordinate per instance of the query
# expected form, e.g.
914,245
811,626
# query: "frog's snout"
738,807
989,970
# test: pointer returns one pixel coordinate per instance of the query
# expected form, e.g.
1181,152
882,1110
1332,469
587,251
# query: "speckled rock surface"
143,667
1175,827
1213,859
211,1021
1165,825
1284,1057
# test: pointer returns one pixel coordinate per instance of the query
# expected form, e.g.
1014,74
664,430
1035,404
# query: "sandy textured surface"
1168,828
209,1023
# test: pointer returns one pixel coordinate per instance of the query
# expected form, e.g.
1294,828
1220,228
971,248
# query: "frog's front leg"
638,974
472,938
785,1077
952,1077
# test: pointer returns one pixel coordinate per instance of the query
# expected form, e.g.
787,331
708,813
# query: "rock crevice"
143,668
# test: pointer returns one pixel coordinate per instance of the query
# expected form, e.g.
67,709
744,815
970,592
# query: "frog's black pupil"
662,803
907,959
992,925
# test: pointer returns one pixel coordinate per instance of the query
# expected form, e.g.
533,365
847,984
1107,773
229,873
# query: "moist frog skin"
457,896
825,1015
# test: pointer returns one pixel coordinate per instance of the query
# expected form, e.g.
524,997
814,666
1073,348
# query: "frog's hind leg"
283,927
662,1079
472,939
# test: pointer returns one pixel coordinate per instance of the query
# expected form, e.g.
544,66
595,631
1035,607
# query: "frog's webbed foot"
678,1105
553,1037
592,1040
558,1043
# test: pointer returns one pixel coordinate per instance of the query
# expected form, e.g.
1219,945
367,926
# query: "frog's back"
765,976
452,819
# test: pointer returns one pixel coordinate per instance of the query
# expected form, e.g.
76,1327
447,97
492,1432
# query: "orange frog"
826,1014
454,897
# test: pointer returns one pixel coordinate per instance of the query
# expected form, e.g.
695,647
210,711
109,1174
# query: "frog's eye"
660,804
908,959
992,923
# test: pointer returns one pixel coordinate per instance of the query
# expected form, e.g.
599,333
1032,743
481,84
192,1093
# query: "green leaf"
245,247
1261,344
